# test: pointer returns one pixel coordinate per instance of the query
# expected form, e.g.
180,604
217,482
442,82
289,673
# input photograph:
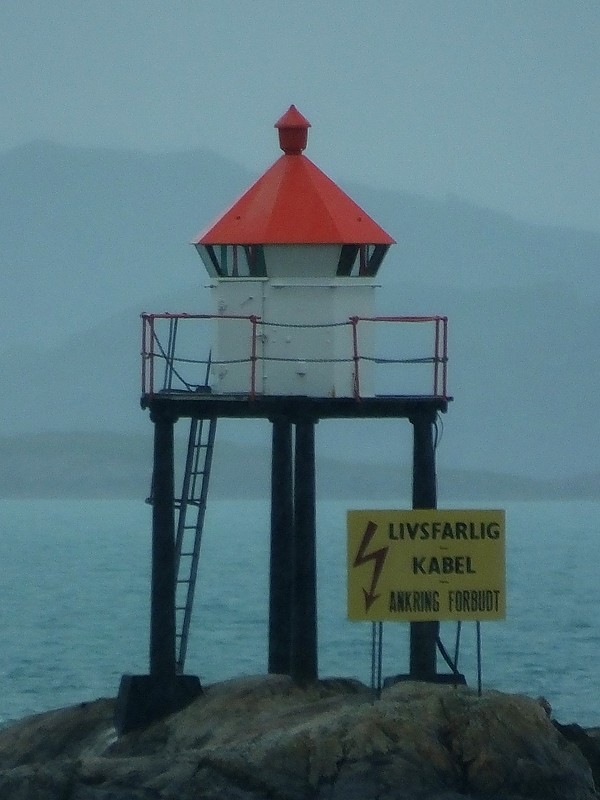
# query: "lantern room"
301,257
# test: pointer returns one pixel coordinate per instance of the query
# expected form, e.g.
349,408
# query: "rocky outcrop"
265,739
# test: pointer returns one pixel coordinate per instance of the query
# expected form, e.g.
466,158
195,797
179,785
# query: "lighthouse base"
144,699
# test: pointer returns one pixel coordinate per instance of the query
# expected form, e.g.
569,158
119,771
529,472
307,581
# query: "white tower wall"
301,347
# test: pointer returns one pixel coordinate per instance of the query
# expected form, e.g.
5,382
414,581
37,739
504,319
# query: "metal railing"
162,344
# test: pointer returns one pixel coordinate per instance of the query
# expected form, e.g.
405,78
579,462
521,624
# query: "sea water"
74,603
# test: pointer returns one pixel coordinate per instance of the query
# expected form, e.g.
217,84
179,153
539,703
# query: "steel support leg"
143,699
162,598
304,666
282,533
423,635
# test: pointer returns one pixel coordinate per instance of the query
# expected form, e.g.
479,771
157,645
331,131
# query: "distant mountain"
87,233
92,237
452,242
109,465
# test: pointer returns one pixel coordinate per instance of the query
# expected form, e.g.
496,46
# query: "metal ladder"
190,505
190,523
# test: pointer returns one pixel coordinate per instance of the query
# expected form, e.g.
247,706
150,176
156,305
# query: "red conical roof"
293,202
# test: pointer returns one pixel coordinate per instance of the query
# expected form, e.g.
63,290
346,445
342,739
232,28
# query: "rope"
289,360
424,360
264,324
307,360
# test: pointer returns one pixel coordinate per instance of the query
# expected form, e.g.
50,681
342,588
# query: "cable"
478,628
439,430
446,656
457,642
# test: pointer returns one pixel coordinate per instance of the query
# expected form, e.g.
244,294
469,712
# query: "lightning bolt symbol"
378,556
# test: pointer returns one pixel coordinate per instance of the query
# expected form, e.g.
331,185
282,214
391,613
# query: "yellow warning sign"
424,565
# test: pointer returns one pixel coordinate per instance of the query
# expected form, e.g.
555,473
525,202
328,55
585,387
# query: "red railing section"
155,349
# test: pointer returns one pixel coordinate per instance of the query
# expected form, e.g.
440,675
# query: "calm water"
75,584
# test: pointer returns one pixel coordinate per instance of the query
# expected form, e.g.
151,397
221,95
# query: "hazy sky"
497,101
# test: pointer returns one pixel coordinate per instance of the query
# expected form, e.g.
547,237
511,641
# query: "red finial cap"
293,131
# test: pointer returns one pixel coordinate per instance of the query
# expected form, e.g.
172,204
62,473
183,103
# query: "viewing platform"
404,356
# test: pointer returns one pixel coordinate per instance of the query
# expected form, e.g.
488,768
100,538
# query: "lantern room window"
363,260
286,260
234,260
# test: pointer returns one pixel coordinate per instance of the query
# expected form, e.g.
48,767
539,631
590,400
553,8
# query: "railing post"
253,320
355,356
151,354
445,356
143,353
436,364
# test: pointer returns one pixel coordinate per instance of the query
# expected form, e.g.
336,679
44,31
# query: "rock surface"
265,739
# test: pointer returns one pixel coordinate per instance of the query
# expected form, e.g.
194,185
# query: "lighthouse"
293,266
